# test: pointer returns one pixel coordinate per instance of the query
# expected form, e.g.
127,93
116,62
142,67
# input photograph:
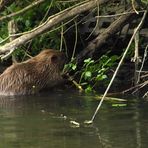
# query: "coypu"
33,75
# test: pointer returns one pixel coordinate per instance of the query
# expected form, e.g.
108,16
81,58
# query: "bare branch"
95,44
51,21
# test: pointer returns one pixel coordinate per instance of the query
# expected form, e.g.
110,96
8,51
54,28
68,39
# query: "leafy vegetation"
93,72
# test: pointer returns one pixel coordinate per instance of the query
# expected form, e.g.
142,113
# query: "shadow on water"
44,121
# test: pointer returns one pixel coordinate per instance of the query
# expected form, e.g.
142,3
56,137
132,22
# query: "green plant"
92,71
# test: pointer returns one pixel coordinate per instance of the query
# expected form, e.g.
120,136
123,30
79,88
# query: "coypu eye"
54,59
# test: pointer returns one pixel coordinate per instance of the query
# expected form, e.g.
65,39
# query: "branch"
12,29
95,44
51,21
22,10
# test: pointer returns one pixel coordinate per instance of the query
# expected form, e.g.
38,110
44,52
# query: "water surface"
43,121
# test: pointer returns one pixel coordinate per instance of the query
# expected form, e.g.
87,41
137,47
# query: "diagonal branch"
51,21
94,46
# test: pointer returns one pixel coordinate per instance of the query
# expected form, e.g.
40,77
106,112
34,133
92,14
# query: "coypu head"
50,63
52,58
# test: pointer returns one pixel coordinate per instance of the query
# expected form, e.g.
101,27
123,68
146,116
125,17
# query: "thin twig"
97,22
76,40
143,61
70,1
133,5
136,56
75,83
4,40
111,98
119,14
114,15
62,36
145,95
140,86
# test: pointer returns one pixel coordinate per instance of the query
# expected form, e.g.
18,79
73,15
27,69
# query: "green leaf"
89,89
119,105
84,83
74,67
101,70
88,74
114,58
101,77
87,60
104,77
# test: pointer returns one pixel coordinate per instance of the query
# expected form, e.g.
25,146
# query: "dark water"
44,122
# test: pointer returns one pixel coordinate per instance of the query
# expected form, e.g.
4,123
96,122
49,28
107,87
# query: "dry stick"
114,15
74,82
119,14
12,29
134,7
141,86
97,23
145,95
136,56
144,75
115,73
68,1
4,40
76,40
62,36
144,57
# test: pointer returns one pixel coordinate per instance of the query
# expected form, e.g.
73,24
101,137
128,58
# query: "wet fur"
33,75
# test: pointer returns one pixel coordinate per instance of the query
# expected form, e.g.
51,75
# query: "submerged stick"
111,99
115,73
78,86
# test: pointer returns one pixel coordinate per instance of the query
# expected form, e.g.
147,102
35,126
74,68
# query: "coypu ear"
54,59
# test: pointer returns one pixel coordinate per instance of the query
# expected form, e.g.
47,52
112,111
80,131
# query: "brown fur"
33,75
